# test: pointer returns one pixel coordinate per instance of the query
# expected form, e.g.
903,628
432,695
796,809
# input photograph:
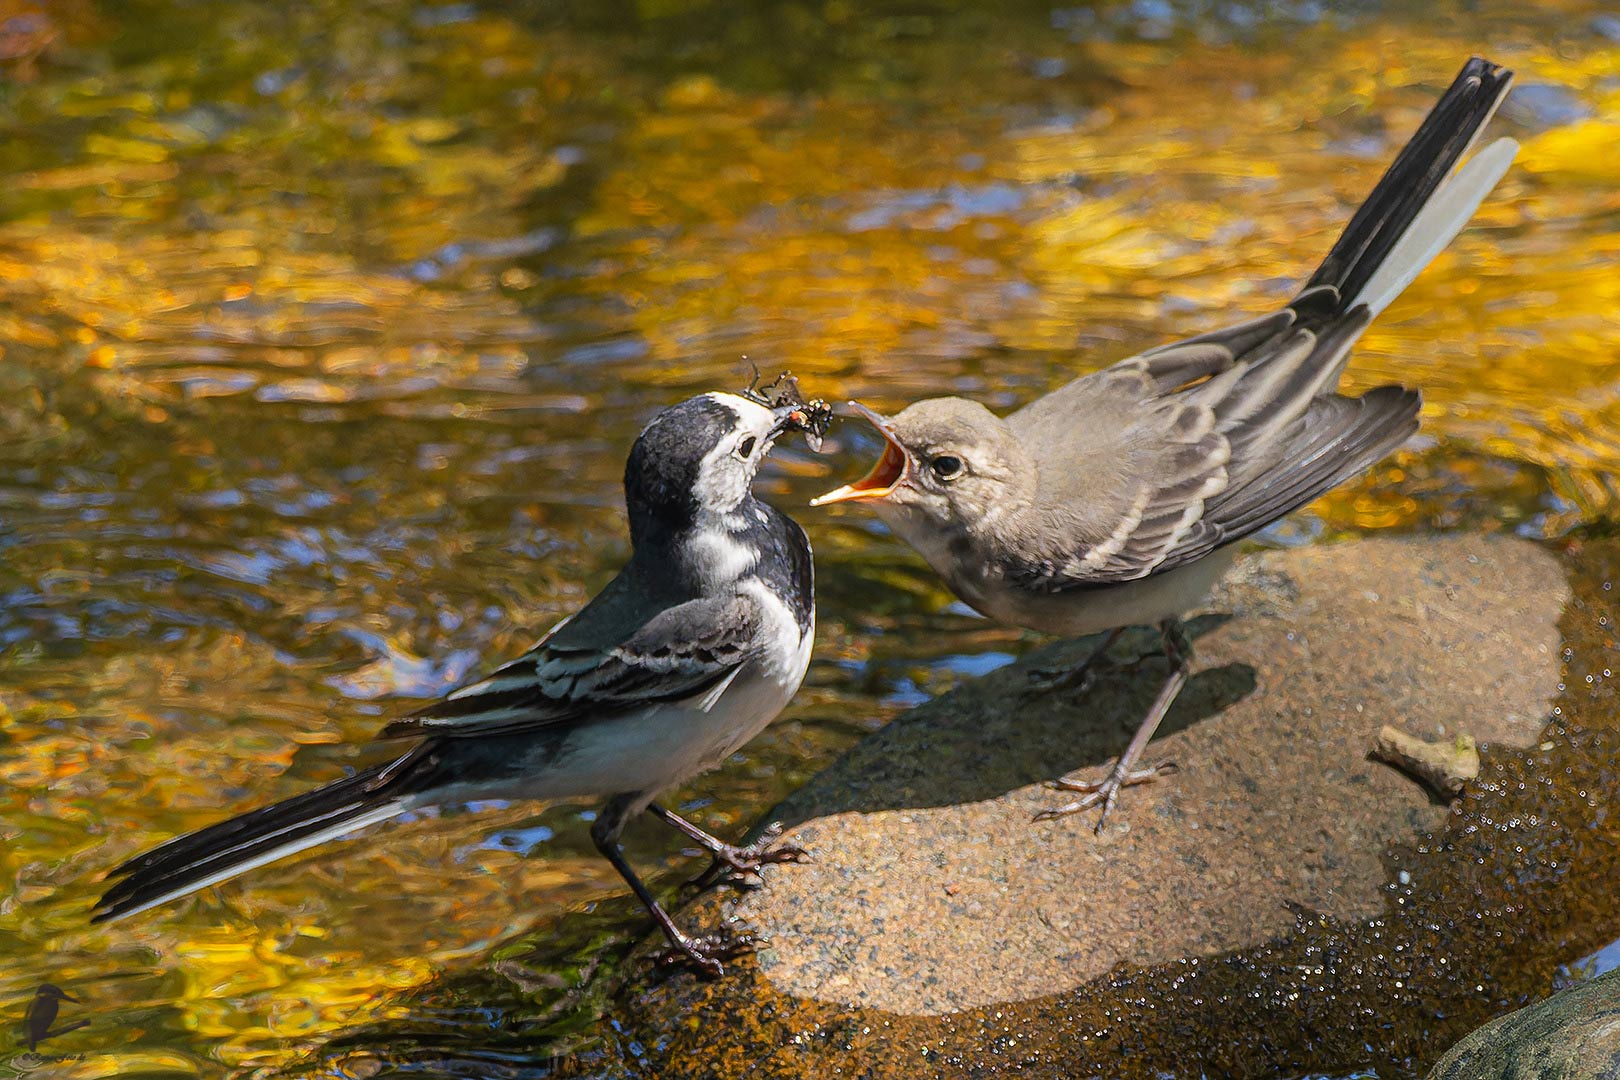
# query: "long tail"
1419,205
208,856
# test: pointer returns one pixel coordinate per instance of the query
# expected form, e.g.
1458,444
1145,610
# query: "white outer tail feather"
1447,211
282,851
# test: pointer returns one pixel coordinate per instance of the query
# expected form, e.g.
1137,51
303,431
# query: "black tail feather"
211,854
1411,180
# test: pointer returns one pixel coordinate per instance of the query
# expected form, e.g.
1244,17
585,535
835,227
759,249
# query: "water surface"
325,331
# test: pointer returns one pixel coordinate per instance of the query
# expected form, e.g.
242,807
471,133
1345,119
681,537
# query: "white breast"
1088,611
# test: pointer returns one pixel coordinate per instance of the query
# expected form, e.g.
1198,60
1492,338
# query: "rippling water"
325,332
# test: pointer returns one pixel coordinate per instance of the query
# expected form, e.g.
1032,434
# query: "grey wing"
1204,442
685,651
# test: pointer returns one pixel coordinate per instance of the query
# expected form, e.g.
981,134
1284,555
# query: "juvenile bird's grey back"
1199,443
1100,419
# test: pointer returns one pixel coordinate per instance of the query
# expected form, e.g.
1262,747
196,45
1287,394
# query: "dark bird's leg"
1105,792
1077,677
731,861
705,953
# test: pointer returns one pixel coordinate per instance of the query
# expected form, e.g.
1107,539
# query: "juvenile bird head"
947,463
697,460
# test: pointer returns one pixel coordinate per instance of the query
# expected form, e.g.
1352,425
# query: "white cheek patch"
723,479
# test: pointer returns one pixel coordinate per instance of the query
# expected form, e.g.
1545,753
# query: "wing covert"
680,652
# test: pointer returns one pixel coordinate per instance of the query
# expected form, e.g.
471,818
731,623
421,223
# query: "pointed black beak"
786,417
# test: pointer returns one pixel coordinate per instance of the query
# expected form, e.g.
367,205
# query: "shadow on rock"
1007,731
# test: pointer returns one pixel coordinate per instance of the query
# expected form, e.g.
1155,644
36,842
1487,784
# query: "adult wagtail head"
694,464
695,646
1115,500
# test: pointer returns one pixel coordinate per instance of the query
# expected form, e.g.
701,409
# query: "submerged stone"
1574,1035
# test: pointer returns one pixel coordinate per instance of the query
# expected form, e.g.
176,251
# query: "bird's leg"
738,865
1049,680
1124,774
704,953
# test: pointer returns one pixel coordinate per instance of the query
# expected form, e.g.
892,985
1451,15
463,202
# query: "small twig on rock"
1443,767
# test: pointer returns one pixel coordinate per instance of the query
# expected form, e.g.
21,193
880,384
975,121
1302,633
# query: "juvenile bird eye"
946,467
746,447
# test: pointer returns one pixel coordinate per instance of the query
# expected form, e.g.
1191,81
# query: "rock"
1282,906
1574,1035
931,890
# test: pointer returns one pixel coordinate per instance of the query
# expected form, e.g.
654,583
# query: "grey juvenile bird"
687,654
1116,500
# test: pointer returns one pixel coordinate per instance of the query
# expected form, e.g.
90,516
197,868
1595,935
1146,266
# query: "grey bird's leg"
705,953
739,865
1105,792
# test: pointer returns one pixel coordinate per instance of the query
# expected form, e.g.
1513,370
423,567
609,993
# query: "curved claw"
1104,792
705,953
740,866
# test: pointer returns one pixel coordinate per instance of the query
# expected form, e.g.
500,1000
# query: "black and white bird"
1116,499
686,655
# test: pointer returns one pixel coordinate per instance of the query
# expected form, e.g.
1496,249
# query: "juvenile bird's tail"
1419,204
211,855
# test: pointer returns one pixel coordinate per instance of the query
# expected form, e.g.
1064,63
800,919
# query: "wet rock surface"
1574,1035
1280,905
932,890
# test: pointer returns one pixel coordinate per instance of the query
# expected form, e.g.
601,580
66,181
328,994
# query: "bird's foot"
739,866
707,952
1104,792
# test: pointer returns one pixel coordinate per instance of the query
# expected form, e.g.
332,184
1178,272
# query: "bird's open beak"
890,470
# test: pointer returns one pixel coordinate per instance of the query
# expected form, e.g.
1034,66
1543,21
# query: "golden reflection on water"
324,339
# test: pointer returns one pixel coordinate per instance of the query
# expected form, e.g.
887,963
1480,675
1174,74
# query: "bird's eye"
746,447
946,467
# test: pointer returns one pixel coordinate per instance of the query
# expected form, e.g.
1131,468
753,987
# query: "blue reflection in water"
974,665
1588,967
519,841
